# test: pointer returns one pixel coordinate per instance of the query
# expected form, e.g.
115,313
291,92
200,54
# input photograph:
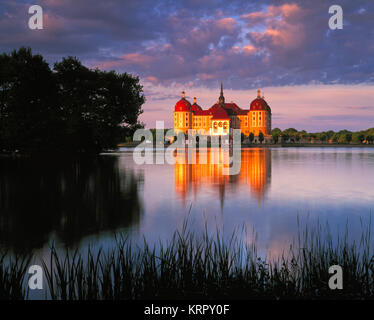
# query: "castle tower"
260,117
221,99
182,115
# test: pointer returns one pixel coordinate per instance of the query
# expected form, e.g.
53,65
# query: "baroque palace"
222,117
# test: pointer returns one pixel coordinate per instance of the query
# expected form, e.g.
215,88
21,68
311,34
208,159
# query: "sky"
312,77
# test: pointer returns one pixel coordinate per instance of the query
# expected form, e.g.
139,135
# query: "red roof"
232,106
220,113
202,113
229,108
196,107
183,105
259,104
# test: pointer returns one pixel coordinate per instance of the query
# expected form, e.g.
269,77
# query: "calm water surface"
79,202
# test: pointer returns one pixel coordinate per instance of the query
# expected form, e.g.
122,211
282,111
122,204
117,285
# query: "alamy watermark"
36,278
336,20
336,280
36,20
225,149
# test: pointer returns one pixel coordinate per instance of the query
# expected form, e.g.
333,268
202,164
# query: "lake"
76,202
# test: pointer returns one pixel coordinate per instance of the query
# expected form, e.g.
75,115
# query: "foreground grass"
191,266
12,275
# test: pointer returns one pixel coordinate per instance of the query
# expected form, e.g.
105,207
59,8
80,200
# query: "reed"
13,270
204,266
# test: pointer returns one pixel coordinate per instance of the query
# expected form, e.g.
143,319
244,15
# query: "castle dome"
259,104
183,105
195,107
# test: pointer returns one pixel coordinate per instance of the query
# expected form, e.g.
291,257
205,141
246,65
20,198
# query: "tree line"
68,108
342,136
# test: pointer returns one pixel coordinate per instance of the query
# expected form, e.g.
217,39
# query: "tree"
251,137
96,105
28,119
290,133
358,137
345,137
330,134
276,131
348,137
275,138
361,138
335,137
285,137
369,139
304,134
261,137
72,109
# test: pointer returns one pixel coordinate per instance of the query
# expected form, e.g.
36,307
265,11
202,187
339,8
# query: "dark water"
75,202
65,200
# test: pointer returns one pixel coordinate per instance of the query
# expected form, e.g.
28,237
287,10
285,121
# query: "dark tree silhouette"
71,108
261,137
251,137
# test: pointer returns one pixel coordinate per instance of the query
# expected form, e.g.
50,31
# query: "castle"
222,117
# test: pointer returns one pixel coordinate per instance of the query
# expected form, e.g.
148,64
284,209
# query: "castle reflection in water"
255,172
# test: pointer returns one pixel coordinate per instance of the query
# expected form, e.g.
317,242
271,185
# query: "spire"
221,99
194,100
258,93
183,94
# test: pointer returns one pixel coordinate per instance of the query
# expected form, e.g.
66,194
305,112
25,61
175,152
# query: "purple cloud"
245,44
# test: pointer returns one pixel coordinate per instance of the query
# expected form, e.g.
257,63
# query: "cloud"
174,45
246,44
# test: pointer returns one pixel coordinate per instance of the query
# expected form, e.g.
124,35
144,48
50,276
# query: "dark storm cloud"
245,43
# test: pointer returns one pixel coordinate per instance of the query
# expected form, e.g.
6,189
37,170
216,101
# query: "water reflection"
67,197
192,178
41,200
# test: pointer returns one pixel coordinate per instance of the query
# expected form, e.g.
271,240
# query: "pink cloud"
137,58
284,12
206,76
284,26
53,22
211,62
227,24
255,18
152,79
249,49
125,60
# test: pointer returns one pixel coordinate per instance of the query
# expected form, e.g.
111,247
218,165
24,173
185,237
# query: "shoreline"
288,145
131,146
